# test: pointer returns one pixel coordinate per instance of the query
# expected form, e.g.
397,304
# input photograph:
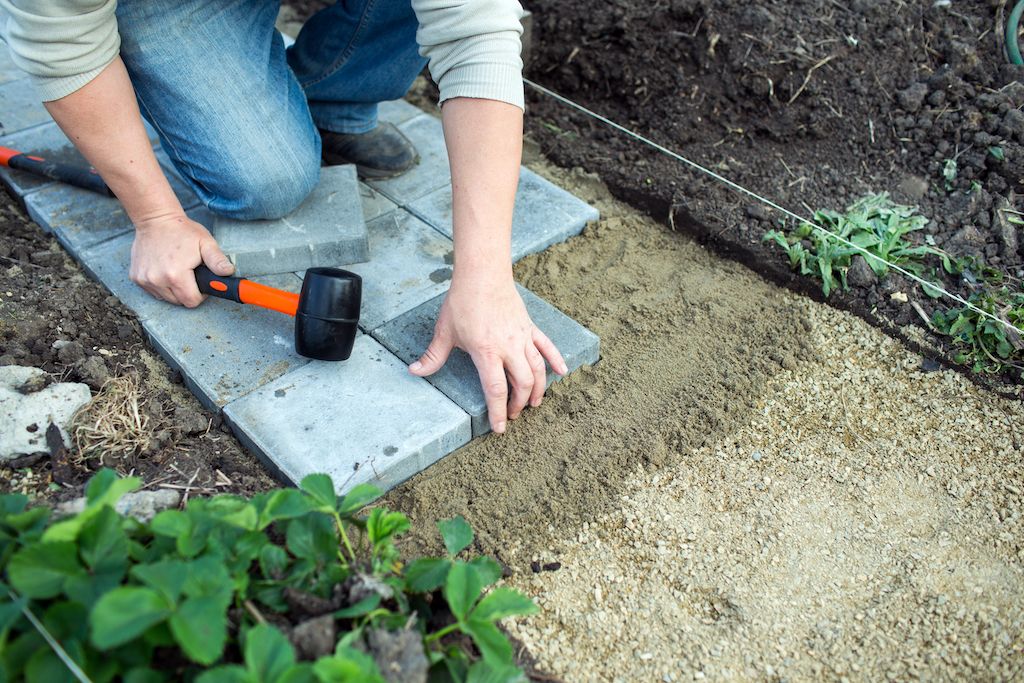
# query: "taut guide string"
750,193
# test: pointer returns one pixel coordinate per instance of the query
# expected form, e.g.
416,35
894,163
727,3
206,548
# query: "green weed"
980,342
195,593
875,224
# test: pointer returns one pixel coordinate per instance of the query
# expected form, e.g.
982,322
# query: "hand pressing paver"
327,229
409,264
409,335
20,107
431,173
81,218
225,350
109,263
544,214
362,420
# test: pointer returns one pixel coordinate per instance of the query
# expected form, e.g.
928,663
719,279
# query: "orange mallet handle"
246,292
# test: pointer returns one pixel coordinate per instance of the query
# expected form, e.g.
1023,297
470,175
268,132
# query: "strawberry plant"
223,591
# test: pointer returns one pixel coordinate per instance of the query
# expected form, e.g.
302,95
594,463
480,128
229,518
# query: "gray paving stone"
20,107
375,204
8,71
544,214
47,141
408,336
397,112
363,420
327,229
81,218
225,350
409,264
430,174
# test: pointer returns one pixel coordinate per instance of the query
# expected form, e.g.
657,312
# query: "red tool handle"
246,292
79,176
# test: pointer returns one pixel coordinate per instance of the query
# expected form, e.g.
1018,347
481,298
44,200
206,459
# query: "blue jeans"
237,113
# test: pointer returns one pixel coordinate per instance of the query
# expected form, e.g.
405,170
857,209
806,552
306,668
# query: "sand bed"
748,485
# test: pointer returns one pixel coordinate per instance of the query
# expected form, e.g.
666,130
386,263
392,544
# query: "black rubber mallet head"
326,311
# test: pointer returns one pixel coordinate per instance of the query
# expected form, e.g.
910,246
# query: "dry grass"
114,424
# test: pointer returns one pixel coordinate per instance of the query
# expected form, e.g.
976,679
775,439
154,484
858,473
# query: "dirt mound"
811,103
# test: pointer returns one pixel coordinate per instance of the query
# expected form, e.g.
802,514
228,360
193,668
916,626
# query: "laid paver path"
362,420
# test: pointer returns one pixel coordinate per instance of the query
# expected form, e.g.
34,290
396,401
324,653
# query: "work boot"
380,153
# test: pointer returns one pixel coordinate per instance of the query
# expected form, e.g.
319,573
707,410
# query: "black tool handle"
218,285
79,176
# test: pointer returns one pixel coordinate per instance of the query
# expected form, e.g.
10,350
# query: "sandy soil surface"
749,485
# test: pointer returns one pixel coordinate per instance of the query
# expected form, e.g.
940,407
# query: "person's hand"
491,324
164,254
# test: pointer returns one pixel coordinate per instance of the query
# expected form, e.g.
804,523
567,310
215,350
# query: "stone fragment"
399,655
25,417
327,229
431,173
544,214
913,188
409,335
362,420
860,273
314,638
141,505
410,263
225,350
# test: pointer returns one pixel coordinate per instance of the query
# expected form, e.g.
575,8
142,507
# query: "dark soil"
812,103
52,316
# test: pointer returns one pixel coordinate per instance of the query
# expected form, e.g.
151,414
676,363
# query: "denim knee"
264,192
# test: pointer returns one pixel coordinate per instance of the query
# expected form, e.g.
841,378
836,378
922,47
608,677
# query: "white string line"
52,642
739,188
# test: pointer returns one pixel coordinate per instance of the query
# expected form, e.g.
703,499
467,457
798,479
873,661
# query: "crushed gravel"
865,524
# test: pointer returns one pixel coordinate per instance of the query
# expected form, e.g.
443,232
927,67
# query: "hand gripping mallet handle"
79,176
326,310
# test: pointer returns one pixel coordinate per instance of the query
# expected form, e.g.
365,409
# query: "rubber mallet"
326,310
79,176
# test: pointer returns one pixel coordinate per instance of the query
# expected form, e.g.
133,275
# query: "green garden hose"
1012,29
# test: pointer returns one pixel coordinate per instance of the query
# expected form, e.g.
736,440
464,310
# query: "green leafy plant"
982,343
210,593
949,173
875,224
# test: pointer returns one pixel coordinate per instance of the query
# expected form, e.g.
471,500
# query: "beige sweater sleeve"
473,47
61,44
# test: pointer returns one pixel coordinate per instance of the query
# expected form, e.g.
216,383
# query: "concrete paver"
225,350
410,263
544,214
397,112
81,218
362,420
327,229
47,141
20,107
432,172
408,336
